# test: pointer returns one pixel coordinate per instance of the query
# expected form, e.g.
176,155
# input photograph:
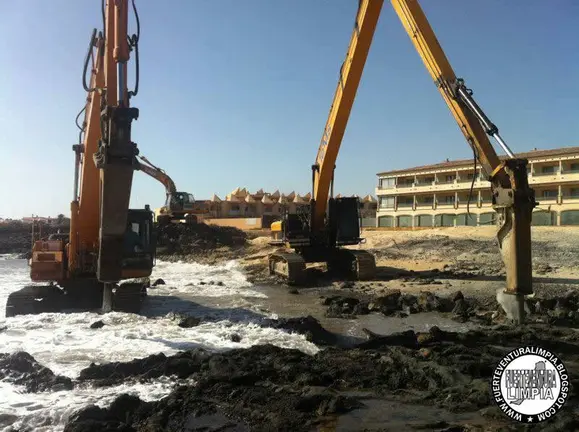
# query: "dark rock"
457,296
340,306
158,282
460,307
97,324
271,388
219,283
293,290
303,325
182,364
235,338
22,369
387,303
7,419
197,239
408,303
361,309
189,322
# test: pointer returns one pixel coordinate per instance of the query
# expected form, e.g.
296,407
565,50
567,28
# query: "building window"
424,180
448,199
405,201
549,169
574,167
550,193
407,182
574,192
386,202
386,183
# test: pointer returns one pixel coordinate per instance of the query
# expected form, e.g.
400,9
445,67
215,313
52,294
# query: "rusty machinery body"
108,242
317,237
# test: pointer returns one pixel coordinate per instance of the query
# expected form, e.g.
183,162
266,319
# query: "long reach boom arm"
158,174
512,197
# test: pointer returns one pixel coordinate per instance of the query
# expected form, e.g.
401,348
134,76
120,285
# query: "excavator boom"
349,79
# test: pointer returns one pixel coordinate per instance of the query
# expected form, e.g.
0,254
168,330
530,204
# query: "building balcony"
405,205
542,174
422,205
436,187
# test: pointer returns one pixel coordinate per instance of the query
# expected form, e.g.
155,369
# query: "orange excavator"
333,222
106,258
179,206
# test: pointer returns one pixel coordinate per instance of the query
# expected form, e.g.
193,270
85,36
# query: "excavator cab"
180,201
178,207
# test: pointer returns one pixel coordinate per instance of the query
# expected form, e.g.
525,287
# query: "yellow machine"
512,197
107,242
179,206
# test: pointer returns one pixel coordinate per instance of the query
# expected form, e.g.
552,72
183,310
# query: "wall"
240,223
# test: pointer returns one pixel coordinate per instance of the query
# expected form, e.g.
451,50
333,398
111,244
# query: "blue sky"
236,93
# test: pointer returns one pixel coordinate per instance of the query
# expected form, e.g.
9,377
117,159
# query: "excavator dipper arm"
512,197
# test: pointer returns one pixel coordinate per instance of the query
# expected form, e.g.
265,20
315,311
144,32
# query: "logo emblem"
530,384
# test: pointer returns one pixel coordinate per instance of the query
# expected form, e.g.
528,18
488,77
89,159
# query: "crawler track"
129,297
37,299
355,264
289,266
363,265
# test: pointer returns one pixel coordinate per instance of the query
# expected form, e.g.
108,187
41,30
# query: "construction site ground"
413,349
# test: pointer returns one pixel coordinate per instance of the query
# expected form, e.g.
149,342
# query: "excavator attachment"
116,159
514,206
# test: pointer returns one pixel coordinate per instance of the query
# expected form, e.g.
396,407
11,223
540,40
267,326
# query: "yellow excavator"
318,236
108,243
179,206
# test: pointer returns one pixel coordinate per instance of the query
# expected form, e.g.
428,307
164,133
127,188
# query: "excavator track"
35,299
290,266
129,297
355,264
363,265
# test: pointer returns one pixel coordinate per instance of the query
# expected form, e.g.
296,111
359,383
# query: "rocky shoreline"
438,379
270,388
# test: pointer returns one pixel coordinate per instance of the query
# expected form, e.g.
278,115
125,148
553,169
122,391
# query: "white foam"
204,280
66,344
8,256
48,411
